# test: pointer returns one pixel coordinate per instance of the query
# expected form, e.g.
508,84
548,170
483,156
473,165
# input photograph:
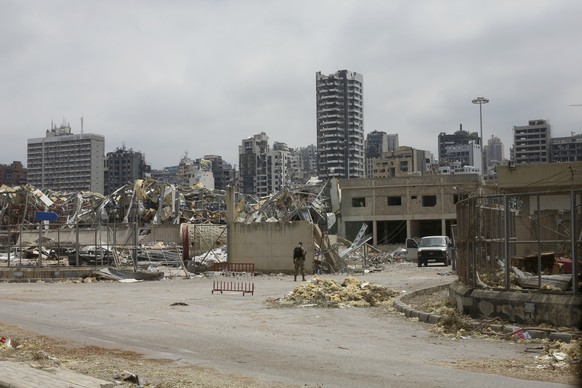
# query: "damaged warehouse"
148,224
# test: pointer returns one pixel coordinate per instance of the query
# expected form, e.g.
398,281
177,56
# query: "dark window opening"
394,201
359,202
429,200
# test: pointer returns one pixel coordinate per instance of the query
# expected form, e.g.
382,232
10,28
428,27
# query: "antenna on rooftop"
81,125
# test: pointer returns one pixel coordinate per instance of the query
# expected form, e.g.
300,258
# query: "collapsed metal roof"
148,201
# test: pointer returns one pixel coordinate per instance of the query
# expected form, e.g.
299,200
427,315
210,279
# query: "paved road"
242,335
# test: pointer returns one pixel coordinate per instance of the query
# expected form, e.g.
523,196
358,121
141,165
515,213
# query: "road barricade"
241,272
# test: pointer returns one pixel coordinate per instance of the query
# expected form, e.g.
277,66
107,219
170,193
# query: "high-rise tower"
340,124
65,161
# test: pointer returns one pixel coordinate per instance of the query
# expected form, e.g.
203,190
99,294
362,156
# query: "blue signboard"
46,216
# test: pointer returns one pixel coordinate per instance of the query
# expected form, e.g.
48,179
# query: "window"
428,200
359,202
395,201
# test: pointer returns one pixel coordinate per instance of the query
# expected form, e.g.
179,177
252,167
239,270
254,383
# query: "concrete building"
566,149
253,172
377,143
402,161
278,160
340,124
222,171
302,164
531,143
13,174
401,207
458,138
123,166
495,152
65,161
165,175
466,155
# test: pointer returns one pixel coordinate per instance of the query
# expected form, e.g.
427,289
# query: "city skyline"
199,77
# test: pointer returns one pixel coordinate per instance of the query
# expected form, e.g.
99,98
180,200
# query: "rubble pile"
496,279
352,292
307,202
153,202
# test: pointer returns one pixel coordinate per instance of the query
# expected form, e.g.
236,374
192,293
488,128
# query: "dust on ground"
551,361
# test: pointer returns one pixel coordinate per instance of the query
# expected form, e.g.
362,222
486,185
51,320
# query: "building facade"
458,138
566,149
253,172
376,145
402,161
340,125
123,166
402,207
13,174
531,143
64,161
222,171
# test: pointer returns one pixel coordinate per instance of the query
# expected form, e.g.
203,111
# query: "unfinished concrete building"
401,207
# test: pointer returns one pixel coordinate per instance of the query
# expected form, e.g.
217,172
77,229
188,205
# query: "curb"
423,316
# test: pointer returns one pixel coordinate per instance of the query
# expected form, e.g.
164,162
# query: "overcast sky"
182,76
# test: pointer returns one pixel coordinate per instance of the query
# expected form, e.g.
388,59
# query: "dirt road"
181,321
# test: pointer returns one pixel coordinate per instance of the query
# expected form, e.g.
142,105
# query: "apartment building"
566,149
402,161
123,166
531,143
252,156
13,174
340,124
65,161
377,143
459,138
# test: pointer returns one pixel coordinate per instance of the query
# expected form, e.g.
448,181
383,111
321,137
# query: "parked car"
435,249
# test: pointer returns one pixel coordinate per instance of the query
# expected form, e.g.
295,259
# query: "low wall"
521,307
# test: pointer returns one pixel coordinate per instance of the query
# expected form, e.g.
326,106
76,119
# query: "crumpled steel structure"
150,202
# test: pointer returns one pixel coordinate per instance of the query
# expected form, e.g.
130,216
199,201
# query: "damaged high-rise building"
123,166
263,170
340,124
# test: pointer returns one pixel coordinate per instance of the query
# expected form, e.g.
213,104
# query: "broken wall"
269,245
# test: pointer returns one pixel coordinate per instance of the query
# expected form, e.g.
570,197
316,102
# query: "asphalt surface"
181,320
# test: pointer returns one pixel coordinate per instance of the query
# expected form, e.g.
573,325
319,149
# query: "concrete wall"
518,307
535,176
269,245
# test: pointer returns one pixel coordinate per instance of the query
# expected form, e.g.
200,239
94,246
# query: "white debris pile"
206,261
352,292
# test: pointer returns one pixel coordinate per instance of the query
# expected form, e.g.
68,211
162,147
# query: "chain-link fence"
520,241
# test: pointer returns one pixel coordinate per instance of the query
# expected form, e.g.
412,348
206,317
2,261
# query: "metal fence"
108,245
520,241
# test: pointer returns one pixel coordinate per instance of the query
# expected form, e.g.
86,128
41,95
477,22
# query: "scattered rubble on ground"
352,292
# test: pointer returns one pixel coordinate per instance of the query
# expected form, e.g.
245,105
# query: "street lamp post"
481,101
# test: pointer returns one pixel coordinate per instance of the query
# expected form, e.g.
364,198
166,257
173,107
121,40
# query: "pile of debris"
352,292
519,279
152,202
